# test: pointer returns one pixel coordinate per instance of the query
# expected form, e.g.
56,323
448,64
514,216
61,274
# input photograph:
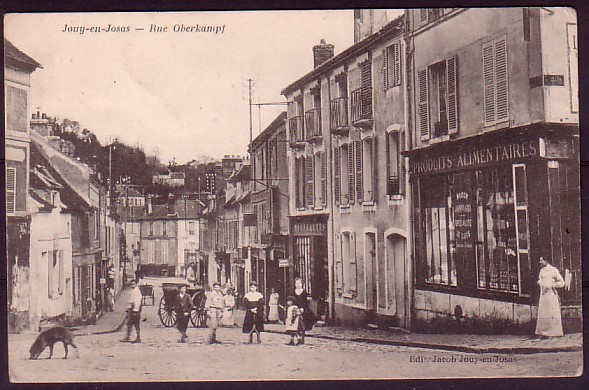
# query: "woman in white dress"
549,322
273,306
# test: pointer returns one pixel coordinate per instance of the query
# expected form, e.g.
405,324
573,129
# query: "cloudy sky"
181,94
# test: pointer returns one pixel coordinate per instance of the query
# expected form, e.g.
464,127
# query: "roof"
177,175
16,58
189,209
76,175
280,120
392,27
242,174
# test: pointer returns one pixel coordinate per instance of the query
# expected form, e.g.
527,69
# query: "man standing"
134,313
183,305
214,305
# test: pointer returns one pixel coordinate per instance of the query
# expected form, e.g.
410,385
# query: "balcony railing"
361,105
394,185
313,124
297,131
339,113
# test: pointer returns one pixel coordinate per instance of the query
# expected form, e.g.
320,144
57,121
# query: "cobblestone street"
161,358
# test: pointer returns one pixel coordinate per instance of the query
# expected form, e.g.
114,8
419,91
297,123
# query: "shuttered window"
353,264
10,190
310,183
339,269
323,179
392,69
350,173
452,90
368,169
423,104
495,83
374,169
423,15
336,176
358,166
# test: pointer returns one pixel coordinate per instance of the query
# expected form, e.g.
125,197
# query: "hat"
216,284
290,298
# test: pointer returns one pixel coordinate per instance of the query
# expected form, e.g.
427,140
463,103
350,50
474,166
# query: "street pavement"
332,354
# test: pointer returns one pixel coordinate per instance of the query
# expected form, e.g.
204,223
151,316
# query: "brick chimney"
40,124
322,52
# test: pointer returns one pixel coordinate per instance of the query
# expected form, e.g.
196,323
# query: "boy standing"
215,303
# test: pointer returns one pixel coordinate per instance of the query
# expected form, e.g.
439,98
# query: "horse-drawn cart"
167,312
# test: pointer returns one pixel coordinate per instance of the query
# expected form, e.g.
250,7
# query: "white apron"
549,318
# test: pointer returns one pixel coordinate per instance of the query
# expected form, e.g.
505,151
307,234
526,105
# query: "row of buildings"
62,240
419,174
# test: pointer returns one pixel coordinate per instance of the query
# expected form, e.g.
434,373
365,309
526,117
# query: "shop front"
484,211
309,259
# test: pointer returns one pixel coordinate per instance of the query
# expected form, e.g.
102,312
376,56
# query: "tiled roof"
15,57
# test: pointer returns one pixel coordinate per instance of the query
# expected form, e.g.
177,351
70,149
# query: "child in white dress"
293,324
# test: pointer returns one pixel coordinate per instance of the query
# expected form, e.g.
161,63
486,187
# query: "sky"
177,94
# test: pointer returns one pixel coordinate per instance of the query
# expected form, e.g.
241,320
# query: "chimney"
149,205
322,52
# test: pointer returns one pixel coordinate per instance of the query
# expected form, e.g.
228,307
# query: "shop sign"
102,280
478,157
309,228
283,263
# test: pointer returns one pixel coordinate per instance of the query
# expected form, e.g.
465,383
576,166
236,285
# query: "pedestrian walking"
273,315
293,323
302,301
253,302
191,275
183,306
134,313
228,309
110,299
549,322
215,304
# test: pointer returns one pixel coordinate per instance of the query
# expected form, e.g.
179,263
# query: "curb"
447,347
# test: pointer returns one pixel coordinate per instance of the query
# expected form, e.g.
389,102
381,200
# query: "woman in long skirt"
273,306
253,302
549,322
229,304
302,302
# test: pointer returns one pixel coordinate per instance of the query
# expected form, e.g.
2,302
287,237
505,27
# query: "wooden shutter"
10,190
397,64
353,263
374,170
351,181
339,269
423,104
452,88
336,176
488,83
310,190
385,71
366,91
359,173
401,162
423,15
323,179
501,79
388,153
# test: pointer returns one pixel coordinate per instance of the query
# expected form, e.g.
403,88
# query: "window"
165,252
367,156
438,101
96,225
10,190
395,168
350,269
358,168
495,85
16,109
151,252
191,226
164,228
54,272
151,228
347,174
573,66
478,219
300,182
392,69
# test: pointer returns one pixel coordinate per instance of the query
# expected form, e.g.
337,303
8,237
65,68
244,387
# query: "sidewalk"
504,344
109,322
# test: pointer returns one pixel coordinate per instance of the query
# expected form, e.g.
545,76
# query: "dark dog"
49,338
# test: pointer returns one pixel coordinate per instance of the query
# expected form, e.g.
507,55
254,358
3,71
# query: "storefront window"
476,222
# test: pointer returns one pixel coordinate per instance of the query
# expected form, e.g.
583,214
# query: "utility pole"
249,81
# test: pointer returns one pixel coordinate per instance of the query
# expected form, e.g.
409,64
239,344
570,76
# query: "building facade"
269,198
351,139
495,133
18,68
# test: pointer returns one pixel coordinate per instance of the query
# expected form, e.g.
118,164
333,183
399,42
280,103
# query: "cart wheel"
195,318
167,315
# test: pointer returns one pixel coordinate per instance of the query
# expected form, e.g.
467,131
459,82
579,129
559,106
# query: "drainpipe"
331,252
408,118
